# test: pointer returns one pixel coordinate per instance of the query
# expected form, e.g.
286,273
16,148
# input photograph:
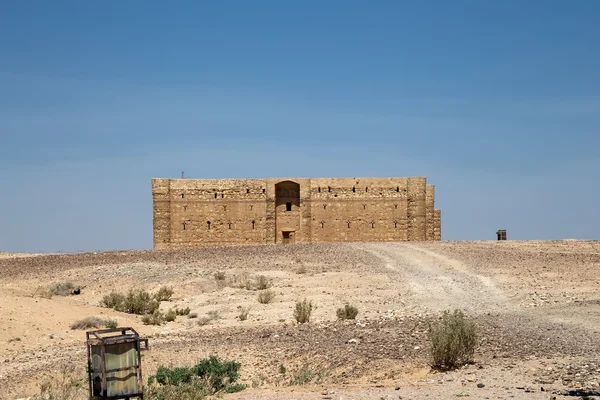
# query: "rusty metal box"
114,363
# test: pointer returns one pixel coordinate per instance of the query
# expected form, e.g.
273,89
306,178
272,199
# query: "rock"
480,385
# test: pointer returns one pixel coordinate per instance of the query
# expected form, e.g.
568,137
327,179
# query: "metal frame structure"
108,337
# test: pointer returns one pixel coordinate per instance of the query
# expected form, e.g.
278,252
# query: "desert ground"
536,304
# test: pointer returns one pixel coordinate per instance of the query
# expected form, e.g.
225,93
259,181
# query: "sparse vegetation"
192,315
243,315
266,296
209,317
262,282
220,275
113,300
306,376
453,341
94,322
164,293
170,315
301,270
15,339
303,310
138,302
182,311
347,312
245,281
67,385
209,376
156,318
62,288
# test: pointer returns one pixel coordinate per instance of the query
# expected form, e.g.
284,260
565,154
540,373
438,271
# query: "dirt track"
536,303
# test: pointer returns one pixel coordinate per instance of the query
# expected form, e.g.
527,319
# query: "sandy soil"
536,303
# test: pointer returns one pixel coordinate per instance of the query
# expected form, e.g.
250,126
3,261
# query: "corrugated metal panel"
125,382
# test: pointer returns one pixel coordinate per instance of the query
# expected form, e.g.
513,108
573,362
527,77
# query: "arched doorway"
287,211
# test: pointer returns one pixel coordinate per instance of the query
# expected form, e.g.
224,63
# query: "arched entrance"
287,211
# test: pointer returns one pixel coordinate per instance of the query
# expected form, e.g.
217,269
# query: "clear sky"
496,102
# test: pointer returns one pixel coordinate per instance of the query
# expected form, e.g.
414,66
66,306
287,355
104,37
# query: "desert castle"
194,212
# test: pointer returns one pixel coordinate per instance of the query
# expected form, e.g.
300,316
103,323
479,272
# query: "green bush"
453,341
114,300
94,322
139,302
347,312
170,315
182,311
303,310
164,294
210,376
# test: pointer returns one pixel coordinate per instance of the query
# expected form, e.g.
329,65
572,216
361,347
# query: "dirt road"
438,282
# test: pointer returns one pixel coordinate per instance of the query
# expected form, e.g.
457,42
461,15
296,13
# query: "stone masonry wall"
192,213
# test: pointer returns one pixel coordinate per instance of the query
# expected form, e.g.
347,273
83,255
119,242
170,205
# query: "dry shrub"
261,282
170,315
302,270
347,312
156,318
245,281
243,315
182,311
62,288
306,375
453,341
209,317
66,385
94,322
164,293
192,315
43,292
303,310
240,281
266,296
220,275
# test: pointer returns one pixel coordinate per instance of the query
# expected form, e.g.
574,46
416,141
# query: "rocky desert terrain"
537,306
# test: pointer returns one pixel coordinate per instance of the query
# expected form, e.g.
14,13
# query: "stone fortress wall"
194,212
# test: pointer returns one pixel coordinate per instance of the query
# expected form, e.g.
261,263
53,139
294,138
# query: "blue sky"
496,102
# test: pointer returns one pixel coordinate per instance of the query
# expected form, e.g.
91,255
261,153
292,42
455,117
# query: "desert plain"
536,305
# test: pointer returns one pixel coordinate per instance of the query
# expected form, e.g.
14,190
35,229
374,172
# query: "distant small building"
194,212
501,234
